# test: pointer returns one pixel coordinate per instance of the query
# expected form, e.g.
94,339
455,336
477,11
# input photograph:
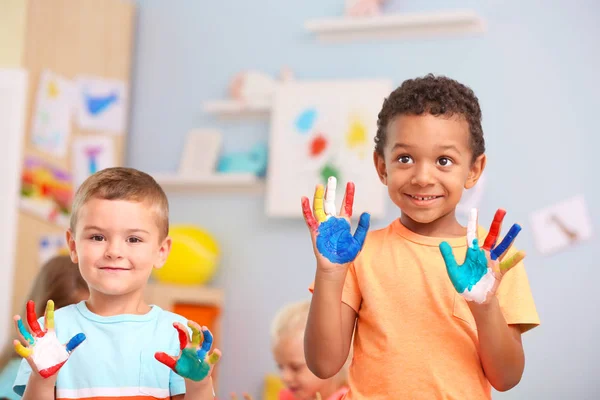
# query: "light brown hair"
120,183
59,280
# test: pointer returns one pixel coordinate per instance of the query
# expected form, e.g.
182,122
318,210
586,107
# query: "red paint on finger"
308,215
32,320
492,236
349,199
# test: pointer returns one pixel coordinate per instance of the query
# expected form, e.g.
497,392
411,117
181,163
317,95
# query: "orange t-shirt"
415,336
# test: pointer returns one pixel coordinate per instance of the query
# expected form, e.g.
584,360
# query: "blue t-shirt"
117,357
7,377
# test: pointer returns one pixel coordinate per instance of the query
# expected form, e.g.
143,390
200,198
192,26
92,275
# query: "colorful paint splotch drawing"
90,155
51,246
102,104
561,225
323,129
51,125
46,191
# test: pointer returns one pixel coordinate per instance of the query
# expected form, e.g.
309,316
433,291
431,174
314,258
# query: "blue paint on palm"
467,275
506,242
75,341
336,243
189,366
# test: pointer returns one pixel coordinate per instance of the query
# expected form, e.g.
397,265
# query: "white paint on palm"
480,291
48,351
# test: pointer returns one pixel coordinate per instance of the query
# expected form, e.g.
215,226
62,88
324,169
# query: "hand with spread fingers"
478,278
42,350
195,361
330,233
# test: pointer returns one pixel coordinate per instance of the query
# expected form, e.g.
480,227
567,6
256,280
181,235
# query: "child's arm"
500,347
195,362
477,280
39,388
330,322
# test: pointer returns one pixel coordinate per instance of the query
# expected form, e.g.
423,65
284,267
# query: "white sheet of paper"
51,125
343,114
102,104
90,155
13,106
51,246
561,225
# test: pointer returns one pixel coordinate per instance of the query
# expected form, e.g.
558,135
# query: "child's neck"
107,305
445,226
329,389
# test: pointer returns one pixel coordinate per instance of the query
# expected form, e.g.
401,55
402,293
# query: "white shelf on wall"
397,25
231,108
225,182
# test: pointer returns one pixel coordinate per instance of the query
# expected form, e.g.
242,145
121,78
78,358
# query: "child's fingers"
363,227
472,227
348,201
499,251
490,240
309,218
21,350
214,357
23,334
330,196
318,204
247,396
513,260
166,359
49,316
196,334
32,320
74,342
183,335
206,344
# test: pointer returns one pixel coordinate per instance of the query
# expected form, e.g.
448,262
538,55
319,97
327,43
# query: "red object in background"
318,145
202,314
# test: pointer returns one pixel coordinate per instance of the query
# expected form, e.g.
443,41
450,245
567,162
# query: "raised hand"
42,350
478,278
194,361
330,233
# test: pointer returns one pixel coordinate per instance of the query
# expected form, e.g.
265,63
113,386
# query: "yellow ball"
193,259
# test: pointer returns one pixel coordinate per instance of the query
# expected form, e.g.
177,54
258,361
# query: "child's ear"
163,252
380,167
476,170
72,247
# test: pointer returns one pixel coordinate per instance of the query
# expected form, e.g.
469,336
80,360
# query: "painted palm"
331,233
477,279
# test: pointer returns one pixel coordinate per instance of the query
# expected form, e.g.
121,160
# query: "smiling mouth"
114,269
423,198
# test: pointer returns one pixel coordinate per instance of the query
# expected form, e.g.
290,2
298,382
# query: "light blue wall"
536,72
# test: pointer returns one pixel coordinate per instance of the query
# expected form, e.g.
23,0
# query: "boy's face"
426,165
288,353
116,244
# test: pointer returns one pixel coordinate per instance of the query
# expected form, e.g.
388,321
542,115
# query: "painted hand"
44,353
194,361
331,234
477,279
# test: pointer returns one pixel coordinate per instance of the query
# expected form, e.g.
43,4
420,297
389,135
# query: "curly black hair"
436,95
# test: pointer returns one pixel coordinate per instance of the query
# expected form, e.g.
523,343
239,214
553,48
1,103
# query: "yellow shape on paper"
357,133
53,90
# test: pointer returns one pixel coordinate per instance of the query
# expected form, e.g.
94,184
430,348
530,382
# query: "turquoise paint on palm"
468,274
190,366
306,120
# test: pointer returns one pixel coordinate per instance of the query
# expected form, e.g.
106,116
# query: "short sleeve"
22,378
351,292
176,384
516,299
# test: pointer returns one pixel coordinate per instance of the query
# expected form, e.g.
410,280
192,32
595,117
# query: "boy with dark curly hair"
416,334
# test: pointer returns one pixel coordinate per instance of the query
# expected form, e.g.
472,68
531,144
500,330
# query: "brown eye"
405,160
445,162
